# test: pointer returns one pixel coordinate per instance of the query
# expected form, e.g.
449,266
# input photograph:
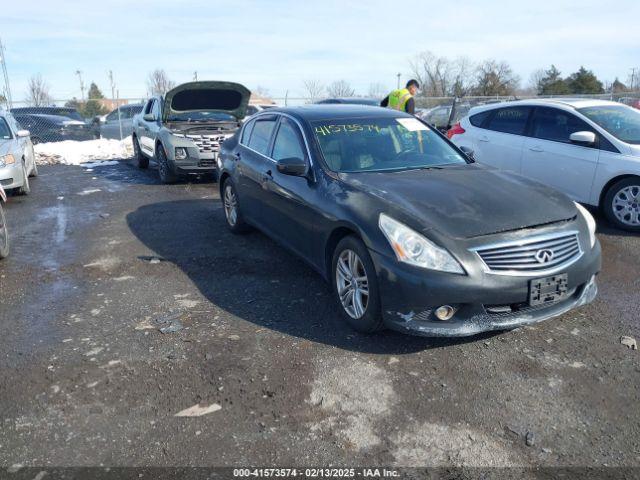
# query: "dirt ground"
103,259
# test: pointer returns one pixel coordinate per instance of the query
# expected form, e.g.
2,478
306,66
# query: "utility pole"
398,80
79,73
633,77
195,76
7,87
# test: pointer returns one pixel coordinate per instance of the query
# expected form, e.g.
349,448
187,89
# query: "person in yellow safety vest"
402,99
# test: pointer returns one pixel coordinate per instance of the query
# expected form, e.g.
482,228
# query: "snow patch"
72,152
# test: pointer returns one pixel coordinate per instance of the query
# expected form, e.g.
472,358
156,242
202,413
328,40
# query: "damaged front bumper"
483,302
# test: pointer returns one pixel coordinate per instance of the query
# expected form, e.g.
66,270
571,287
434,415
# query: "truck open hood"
212,96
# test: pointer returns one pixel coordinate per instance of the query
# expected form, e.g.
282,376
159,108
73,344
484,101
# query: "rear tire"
166,175
621,204
4,235
352,274
34,170
143,161
25,189
232,214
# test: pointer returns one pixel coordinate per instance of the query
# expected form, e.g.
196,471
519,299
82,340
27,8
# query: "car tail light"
455,130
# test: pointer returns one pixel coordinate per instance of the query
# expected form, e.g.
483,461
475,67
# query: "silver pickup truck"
183,130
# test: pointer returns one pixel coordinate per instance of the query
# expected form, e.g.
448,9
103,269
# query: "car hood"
5,146
465,201
224,97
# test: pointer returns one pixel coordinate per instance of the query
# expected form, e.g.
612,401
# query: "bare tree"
377,90
340,88
535,80
159,83
462,79
38,92
433,73
314,90
495,78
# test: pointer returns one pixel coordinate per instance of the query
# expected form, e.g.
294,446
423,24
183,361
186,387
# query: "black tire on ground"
235,222
34,171
166,175
141,158
25,189
371,321
632,186
4,235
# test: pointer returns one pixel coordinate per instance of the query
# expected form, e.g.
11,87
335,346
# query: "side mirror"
583,138
294,166
23,133
468,152
148,117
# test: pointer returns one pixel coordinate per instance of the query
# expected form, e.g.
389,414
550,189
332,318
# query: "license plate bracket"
548,289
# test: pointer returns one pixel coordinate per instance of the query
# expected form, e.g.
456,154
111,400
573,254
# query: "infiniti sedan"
408,230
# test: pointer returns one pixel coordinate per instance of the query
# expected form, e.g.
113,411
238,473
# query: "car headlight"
7,159
412,248
591,223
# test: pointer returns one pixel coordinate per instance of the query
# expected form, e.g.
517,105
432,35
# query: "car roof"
52,118
548,102
325,111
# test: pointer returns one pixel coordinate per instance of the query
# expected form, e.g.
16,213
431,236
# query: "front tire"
25,189
355,286
34,170
4,235
141,159
166,175
232,213
621,204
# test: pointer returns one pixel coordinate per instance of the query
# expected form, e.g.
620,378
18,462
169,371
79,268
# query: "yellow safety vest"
398,99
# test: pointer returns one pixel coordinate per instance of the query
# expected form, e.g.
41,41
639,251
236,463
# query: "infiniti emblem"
544,256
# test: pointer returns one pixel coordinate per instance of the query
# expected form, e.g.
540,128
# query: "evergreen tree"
584,81
93,107
552,83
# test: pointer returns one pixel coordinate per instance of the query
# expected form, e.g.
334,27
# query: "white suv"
588,149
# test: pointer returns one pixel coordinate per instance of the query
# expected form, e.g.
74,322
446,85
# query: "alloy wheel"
626,205
352,284
230,205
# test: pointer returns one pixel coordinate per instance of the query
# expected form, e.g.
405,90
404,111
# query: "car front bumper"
483,302
11,176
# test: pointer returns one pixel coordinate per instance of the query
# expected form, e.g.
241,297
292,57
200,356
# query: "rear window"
509,120
261,135
478,119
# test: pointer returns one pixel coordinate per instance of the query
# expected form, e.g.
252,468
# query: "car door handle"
536,148
484,138
267,176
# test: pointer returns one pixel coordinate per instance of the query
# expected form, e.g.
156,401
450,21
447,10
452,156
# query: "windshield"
5,133
619,120
381,144
203,116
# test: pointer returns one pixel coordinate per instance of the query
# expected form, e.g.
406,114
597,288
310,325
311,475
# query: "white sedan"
17,160
588,149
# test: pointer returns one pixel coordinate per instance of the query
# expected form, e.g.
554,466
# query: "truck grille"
533,255
207,143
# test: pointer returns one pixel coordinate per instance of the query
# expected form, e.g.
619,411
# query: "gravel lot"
103,259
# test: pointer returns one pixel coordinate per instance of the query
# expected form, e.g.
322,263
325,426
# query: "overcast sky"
279,43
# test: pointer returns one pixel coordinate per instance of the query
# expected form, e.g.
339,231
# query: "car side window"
5,133
556,125
288,141
261,134
509,120
246,132
478,119
156,110
149,106
113,116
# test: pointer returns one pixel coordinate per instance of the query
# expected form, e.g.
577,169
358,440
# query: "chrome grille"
537,254
207,143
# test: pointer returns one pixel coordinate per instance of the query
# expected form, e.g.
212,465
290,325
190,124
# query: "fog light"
181,153
445,312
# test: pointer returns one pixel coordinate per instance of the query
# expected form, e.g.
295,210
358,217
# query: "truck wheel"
4,235
143,161
166,175
621,204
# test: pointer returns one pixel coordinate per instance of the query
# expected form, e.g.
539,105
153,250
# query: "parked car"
17,160
4,231
588,149
631,101
440,117
54,128
410,232
350,101
118,124
68,112
183,130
